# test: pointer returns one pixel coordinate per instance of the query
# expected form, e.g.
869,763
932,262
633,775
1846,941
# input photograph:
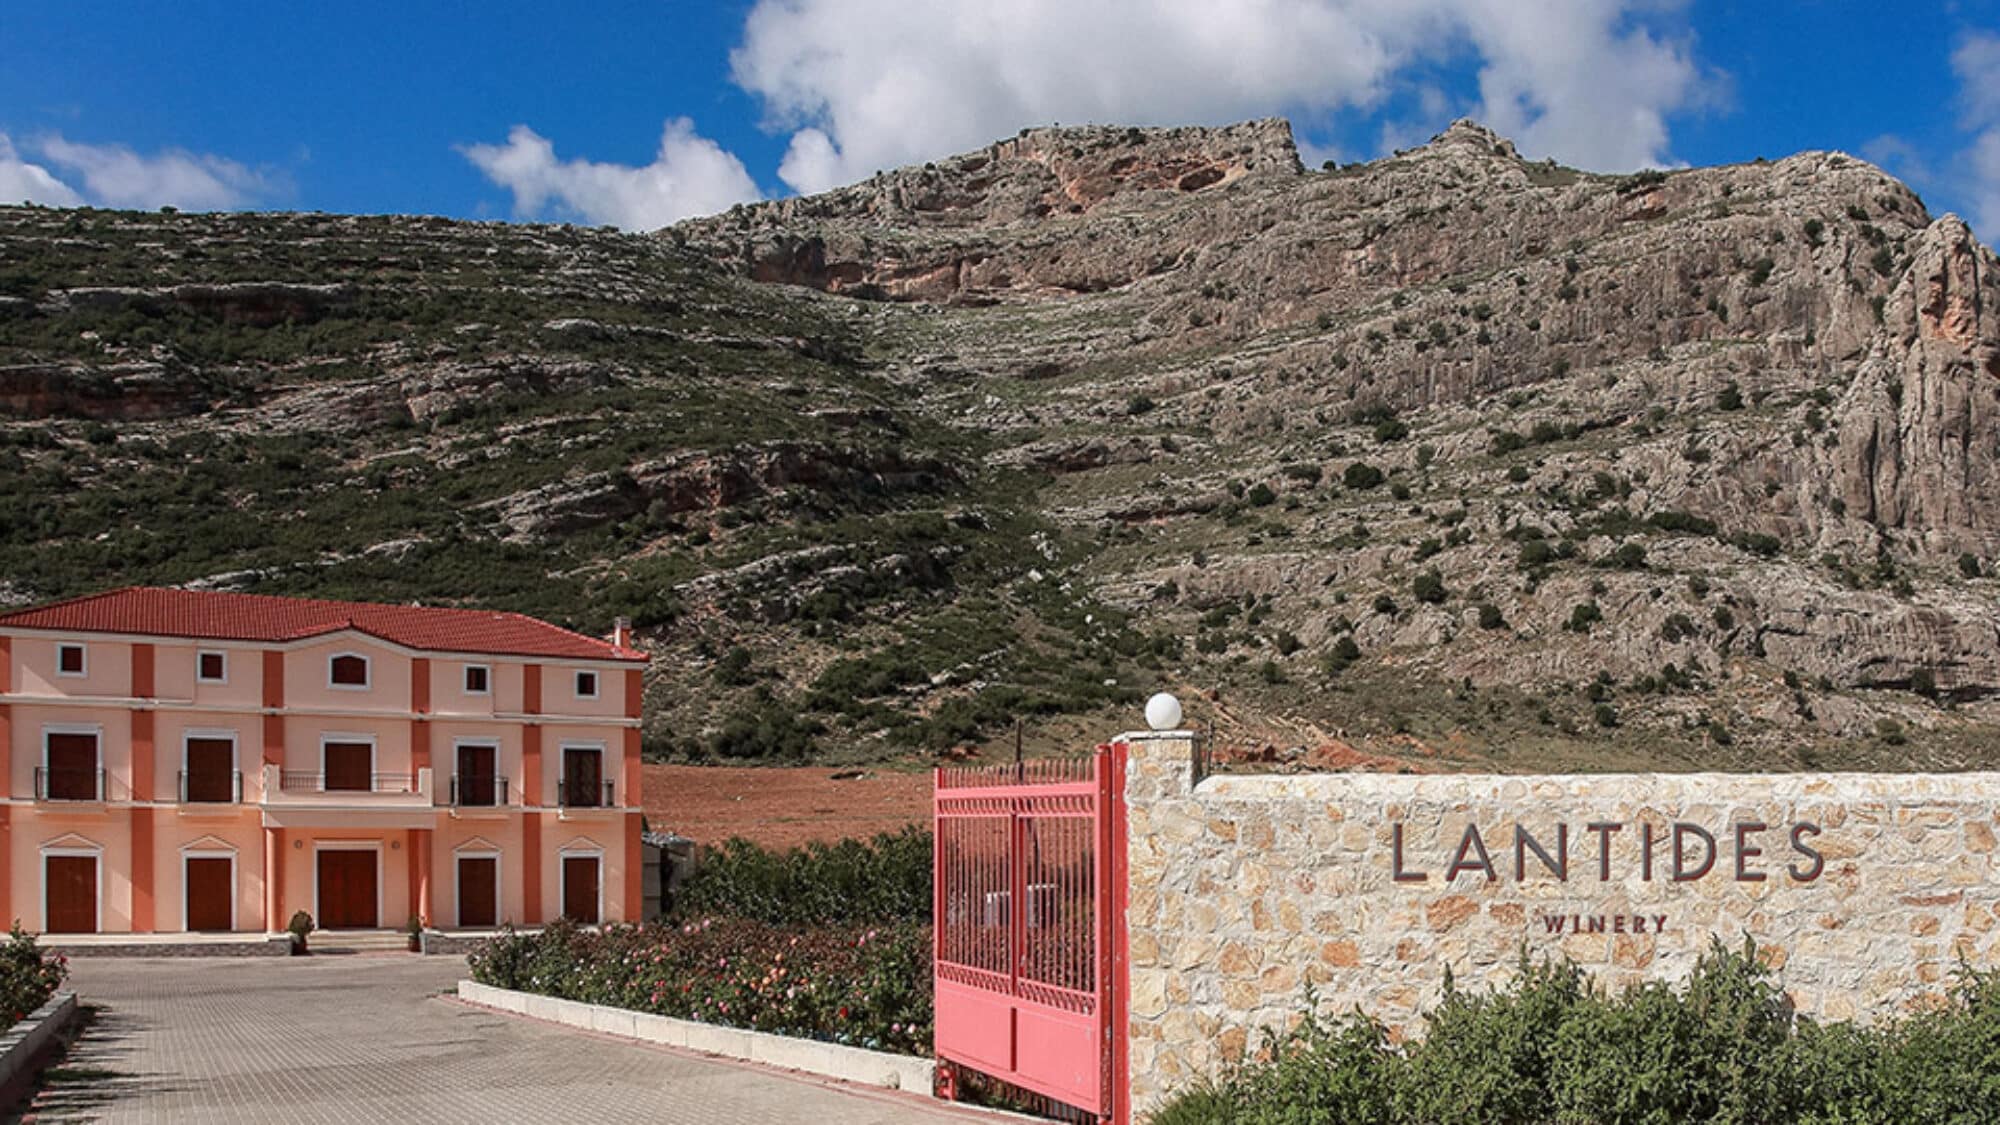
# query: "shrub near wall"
1724,1048
28,976
864,986
886,879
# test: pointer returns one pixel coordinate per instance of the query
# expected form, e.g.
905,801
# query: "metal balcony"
211,787
474,791
69,784
585,793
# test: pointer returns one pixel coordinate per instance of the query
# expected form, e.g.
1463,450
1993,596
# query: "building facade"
192,761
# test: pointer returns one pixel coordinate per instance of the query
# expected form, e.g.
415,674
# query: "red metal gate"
1033,995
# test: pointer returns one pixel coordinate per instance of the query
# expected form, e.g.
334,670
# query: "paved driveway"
372,1039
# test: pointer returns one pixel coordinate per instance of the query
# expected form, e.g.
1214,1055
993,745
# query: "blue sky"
638,113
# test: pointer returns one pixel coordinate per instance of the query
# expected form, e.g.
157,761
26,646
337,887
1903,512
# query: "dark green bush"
885,879
28,976
1550,1049
1428,587
1361,476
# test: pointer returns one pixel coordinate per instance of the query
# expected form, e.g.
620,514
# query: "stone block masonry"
1865,891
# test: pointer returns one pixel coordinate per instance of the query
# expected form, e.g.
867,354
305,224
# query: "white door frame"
214,734
191,852
562,877
328,738
93,851
478,851
564,746
484,742
95,731
349,846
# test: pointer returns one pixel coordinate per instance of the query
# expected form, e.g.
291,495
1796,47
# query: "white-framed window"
208,767
72,763
349,671
478,679
71,660
347,762
211,666
586,685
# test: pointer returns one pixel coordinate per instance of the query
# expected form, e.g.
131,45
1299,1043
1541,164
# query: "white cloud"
1569,79
691,175
116,176
1977,64
872,84
22,182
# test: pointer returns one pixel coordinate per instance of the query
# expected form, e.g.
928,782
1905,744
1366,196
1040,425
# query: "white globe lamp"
1163,712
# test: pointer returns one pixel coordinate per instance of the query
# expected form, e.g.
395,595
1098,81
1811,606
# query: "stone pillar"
1159,810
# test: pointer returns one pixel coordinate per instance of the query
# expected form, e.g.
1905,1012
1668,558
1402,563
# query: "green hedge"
859,985
887,879
1723,1047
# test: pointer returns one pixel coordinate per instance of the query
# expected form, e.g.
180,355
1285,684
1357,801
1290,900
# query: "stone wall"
1865,890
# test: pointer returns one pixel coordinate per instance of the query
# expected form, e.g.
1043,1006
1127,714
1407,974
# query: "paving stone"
332,1040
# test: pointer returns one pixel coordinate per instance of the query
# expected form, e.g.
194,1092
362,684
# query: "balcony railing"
585,793
211,787
299,781
473,791
69,785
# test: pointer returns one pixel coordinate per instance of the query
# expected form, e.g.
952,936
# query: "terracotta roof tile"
208,615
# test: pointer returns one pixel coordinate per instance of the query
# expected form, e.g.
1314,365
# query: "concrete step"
358,941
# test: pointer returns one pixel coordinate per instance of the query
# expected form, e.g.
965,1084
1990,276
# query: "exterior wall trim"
577,849
91,850
381,876
199,850
477,848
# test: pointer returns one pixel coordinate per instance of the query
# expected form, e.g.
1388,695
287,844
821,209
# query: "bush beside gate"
1724,1048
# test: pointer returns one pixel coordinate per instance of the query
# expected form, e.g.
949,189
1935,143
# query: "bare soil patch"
783,807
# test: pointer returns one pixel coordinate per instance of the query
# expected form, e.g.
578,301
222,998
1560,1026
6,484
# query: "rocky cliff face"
1448,458
1744,415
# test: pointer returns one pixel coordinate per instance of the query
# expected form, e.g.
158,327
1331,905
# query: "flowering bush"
28,976
859,985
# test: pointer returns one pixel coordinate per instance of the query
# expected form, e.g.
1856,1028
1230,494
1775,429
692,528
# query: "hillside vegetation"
1452,459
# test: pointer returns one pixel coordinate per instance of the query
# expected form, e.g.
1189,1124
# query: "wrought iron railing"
69,784
211,787
585,793
300,781
477,791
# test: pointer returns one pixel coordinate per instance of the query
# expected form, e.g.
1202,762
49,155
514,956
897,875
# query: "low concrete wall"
22,1046
1864,891
831,1060
258,946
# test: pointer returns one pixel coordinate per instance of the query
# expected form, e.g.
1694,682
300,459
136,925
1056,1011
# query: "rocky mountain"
1447,459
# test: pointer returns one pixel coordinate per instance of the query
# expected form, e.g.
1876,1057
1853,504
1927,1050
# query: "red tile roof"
207,615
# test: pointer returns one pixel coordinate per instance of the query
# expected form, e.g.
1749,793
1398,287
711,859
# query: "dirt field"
782,808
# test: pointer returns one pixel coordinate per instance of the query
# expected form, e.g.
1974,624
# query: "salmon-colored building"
181,760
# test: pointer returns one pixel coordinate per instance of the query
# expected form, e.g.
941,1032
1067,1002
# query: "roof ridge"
177,611
62,603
